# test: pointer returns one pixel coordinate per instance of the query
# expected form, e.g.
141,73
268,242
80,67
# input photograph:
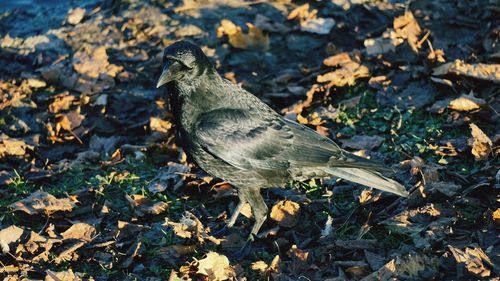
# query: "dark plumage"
233,135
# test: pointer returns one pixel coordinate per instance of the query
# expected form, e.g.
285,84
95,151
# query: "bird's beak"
166,75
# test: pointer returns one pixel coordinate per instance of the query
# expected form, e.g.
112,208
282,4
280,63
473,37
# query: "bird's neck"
189,99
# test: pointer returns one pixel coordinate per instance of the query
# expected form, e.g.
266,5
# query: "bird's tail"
370,179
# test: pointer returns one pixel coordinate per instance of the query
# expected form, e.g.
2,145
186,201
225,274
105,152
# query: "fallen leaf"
259,266
13,147
144,206
299,258
317,25
95,73
36,83
375,260
159,125
171,176
75,16
407,28
466,103
61,101
70,121
384,273
496,215
473,258
286,213
191,227
490,72
42,202
480,143
80,231
381,45
8,236
255,39
436,55
446,188
263,267
301,12
67,275
216,267
368,196
347,73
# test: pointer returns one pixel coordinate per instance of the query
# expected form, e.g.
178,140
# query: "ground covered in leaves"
94,186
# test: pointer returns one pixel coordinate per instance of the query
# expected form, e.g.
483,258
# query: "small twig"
421,41
45,225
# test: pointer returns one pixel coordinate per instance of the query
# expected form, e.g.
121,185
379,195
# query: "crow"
233,135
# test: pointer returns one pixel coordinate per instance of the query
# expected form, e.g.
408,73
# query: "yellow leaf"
466,103
255,39
496,216
285,213
215,267
480,142
490,72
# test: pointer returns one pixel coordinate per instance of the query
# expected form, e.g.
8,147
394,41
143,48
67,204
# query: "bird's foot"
221,232
243,251
235,214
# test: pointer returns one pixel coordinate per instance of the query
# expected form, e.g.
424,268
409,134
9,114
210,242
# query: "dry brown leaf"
474,258
301,12
13,147
347,73
259,266
446,188
70,121
62,101
381,45
255,39
490,72
480,143
406,27
159,125
216,267
436,55
36,83
384,273
300,258
496,215
318,25
286,213
368,196
338,59
9,235
42,202
223,189
91,63
95,72
67,275
145,206
81,231
75,16
191,227
413,265
466,103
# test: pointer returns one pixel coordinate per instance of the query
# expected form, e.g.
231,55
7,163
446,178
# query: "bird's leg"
259,209
236,212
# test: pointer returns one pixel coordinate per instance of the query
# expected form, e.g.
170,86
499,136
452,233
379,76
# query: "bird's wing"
249,140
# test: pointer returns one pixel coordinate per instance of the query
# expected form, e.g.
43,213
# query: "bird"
233,135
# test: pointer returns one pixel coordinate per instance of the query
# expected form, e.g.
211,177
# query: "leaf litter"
94,185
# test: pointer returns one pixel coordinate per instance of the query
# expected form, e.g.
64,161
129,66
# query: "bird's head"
183,62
